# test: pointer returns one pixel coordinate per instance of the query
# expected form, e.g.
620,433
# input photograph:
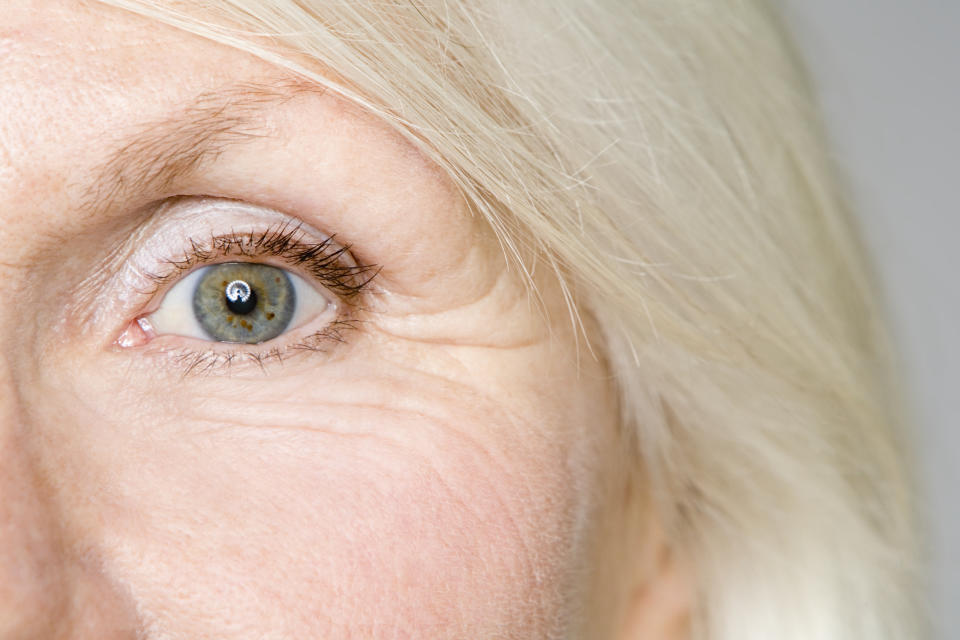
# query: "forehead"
78,76
64,57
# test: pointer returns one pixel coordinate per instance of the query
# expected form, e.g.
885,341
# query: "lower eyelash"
211,361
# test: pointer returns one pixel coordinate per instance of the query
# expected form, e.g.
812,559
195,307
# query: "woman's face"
421,451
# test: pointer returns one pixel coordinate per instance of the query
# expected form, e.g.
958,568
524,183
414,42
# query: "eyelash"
324,261
328,263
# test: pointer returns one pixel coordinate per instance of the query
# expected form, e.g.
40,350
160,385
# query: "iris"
244,302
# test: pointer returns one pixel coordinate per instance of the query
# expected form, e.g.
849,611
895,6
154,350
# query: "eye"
239,302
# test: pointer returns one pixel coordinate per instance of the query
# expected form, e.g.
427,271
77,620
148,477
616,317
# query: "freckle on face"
430,478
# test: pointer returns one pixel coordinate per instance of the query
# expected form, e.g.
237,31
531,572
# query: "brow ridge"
157,154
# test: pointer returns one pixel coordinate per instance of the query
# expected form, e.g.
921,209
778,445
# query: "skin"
450,470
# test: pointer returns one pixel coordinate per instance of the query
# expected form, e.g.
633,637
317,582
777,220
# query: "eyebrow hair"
158,153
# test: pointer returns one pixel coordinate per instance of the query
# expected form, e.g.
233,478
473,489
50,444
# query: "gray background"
887,73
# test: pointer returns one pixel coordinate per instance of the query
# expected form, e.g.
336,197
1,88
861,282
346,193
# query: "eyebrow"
156,154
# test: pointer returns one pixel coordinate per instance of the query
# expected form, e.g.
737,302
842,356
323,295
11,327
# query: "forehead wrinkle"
157,154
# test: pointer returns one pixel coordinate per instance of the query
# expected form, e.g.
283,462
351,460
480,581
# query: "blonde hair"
665,158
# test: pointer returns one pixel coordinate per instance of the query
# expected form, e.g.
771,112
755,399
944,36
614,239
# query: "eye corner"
137,333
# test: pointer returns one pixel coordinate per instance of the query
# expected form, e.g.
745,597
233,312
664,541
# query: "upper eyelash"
324,260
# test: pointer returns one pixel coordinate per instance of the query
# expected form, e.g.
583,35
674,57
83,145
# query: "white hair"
665,157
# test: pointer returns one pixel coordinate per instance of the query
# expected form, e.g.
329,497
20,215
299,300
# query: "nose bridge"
16,317
32,590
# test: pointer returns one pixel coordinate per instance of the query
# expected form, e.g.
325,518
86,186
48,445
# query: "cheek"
328,513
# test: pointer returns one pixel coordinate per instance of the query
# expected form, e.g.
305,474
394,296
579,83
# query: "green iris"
244,302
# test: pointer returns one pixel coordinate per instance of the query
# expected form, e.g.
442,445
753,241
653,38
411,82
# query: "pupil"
241,298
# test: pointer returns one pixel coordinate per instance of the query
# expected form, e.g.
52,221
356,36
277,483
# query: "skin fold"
450,468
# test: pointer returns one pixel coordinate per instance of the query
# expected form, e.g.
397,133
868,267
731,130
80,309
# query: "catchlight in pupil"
241,298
